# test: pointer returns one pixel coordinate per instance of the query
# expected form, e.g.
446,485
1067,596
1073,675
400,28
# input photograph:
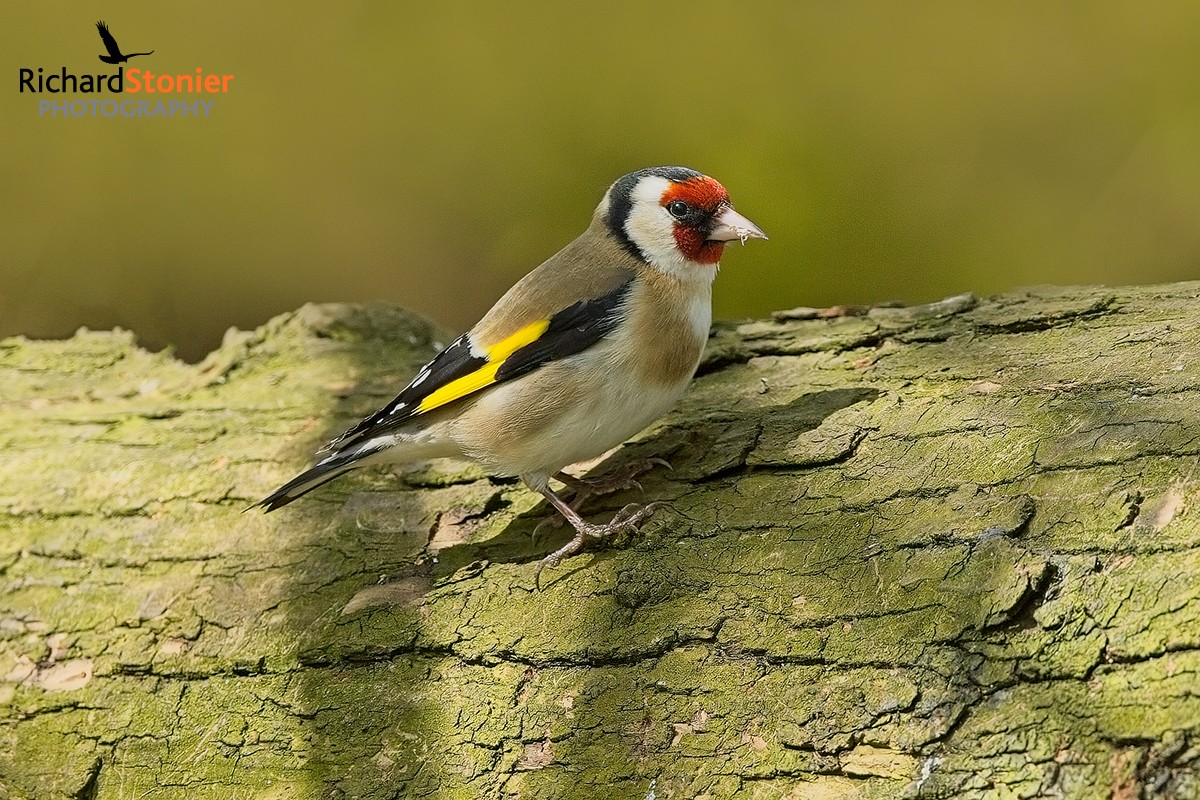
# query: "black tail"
317,475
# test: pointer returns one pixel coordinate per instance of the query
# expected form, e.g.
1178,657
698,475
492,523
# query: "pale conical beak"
731,225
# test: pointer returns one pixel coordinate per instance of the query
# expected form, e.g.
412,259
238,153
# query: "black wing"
567,332
455,362
110,44
572,330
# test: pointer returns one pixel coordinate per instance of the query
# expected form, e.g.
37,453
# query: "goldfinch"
578,356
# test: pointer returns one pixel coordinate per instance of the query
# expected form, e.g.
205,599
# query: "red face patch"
702,192
694,247
705,195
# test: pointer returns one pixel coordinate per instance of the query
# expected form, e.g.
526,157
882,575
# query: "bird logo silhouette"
115,56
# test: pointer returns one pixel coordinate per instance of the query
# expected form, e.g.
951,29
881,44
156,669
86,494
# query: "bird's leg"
627,519
584,489
619,479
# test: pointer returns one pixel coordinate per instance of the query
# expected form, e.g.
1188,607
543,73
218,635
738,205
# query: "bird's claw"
628,519
620,479
633,514
585,489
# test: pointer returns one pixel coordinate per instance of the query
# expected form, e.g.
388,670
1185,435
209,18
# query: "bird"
579,355
114,51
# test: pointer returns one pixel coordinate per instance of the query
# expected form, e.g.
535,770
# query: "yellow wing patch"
511,344
486,374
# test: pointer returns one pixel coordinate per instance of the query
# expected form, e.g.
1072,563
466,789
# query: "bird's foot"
618,480
627,520
584,489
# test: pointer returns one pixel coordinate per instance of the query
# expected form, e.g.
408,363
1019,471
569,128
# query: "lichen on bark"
941,551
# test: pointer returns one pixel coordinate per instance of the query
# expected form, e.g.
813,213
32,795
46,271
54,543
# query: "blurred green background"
430,154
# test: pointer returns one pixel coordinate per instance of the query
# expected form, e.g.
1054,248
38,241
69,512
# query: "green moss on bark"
929,552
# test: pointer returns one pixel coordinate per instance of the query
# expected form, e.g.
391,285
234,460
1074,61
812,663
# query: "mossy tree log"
943,551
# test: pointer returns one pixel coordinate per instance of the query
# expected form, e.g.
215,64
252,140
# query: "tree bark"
941,551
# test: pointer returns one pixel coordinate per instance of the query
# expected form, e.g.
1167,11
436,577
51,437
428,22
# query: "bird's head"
674,219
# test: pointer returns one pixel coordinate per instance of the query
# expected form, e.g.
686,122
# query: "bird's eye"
678,209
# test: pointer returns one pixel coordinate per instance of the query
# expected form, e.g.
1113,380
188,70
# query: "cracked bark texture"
941,551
